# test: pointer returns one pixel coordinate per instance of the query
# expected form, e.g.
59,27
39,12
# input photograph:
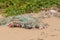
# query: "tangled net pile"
28,21
24,21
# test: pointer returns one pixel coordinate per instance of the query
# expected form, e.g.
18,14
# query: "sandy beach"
52,32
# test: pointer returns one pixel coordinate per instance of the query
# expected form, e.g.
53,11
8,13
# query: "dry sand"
50,33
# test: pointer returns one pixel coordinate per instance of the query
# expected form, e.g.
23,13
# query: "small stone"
53,11
36,26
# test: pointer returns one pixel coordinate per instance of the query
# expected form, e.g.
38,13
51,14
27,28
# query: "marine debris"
22,21
29,21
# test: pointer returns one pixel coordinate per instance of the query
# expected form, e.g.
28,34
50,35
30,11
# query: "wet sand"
52,32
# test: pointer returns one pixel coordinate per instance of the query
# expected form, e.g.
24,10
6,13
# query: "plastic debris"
22,21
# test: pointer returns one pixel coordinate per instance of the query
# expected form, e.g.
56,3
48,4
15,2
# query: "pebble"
37,26
53,11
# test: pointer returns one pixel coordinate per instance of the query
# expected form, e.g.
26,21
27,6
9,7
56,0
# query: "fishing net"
27,21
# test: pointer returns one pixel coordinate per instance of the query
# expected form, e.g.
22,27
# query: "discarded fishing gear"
27,22
22,21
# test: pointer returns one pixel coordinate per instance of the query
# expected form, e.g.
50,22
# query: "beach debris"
27,26
2,21
14,24
21,21
27,22
45,14
24,21
57,15
37,26
53,11
49,13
